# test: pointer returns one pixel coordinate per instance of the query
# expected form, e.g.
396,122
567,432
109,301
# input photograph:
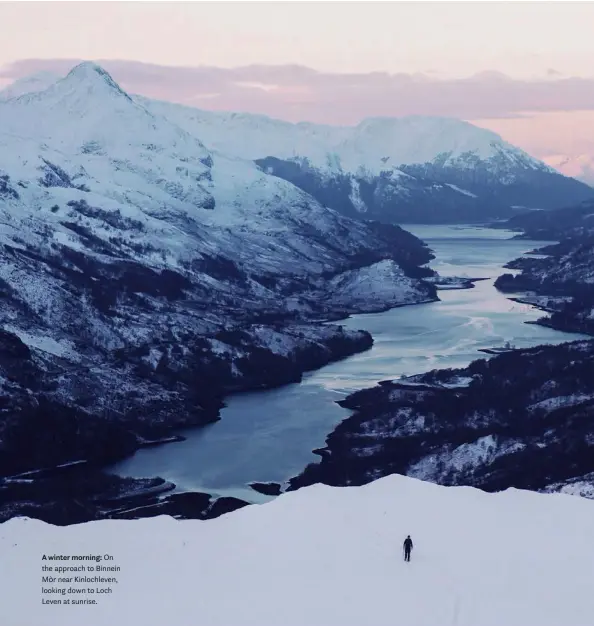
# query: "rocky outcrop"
464,190
555,225
267,489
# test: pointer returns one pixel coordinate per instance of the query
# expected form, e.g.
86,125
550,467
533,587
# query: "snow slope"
383,282
82,162
394,169
327,556
373,146
84,139
29,84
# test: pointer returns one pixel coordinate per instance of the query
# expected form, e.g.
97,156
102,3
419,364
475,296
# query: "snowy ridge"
375,145
514,557
395,170
90,101
84,140
29,84
383,282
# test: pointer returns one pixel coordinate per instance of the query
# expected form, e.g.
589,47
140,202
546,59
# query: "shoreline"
469,444
20,492
145,502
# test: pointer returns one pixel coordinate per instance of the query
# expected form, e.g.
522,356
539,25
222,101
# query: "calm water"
269,435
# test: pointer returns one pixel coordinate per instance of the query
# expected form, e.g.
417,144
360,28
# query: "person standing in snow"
408,546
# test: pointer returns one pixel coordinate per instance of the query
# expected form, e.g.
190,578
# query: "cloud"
299,93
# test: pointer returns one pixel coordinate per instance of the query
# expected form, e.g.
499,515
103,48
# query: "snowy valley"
153,263
521,419
144,276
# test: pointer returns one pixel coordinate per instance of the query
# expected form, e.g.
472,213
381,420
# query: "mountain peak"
88,97
90,73
88,69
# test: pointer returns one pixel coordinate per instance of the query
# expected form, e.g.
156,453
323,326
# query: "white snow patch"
383,281
327,556
465,457
462,191
458,381
355,196
61,348
551,404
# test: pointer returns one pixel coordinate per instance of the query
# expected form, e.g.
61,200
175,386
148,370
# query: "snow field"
329,556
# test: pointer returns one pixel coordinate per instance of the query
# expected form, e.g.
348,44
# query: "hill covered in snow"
144,275
326,556
29,84
399,170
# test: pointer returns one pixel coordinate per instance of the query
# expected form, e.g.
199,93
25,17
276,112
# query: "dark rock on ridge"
268,489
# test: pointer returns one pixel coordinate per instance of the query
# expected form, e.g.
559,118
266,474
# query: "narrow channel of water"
269,435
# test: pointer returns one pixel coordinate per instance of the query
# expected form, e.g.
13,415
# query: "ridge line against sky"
302,94
551,118
487,63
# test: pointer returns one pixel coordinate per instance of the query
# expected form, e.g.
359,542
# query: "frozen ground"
327,556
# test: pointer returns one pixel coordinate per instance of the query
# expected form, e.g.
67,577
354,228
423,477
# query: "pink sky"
523,69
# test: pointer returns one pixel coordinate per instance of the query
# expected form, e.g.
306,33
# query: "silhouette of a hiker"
408,546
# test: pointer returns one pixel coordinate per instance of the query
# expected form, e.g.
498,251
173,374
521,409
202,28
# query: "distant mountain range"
395,170
399,170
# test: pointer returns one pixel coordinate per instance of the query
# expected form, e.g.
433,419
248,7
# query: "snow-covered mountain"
29,84
85,141
411,169
398,170
580,167
321,555
143,274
